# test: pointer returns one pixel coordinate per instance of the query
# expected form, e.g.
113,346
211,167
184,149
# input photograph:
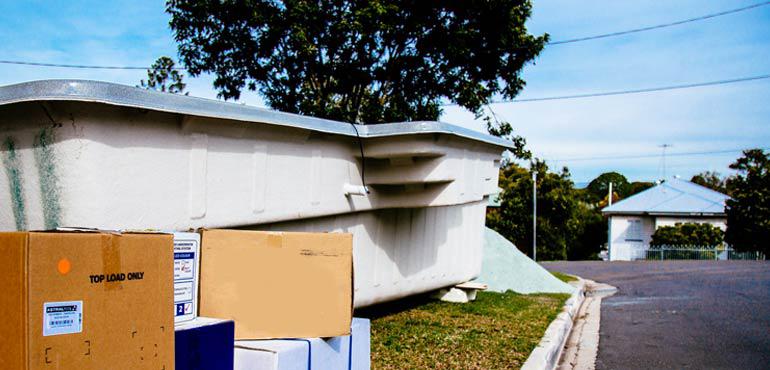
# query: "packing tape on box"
275,240
111,258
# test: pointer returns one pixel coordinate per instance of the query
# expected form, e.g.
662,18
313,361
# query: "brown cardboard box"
278,285
86,300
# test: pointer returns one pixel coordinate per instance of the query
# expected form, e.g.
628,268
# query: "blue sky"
695,120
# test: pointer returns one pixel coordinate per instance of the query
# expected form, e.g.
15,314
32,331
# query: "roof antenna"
663,159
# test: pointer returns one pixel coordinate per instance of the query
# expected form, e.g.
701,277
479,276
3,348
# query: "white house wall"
622,249
400,252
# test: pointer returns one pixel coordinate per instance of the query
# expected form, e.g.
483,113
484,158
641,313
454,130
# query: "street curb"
548,352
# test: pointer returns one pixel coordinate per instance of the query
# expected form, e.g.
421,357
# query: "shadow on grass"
394,307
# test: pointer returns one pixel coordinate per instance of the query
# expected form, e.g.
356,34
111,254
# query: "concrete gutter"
582,346
548,352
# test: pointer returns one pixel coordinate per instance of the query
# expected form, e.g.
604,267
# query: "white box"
337,353
186,273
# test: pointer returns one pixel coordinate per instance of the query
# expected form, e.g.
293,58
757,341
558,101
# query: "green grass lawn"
495,331
563,277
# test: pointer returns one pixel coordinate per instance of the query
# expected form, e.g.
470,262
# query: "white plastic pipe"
351,189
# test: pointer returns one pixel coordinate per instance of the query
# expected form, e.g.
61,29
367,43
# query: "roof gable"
674,196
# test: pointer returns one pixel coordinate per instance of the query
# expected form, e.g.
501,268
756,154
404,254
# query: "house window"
634,231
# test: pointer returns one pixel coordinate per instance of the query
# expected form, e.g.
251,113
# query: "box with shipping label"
204,343
278,285
337,353
86,300
186,270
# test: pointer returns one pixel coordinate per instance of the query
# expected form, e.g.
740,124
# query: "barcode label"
62,318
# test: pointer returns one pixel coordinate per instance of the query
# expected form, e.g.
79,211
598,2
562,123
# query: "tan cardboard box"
86,300
278,285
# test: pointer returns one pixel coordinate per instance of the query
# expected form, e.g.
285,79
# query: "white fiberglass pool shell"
93,154
97,160
398,252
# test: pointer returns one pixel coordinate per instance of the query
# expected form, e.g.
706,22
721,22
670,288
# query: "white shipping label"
186,264
62,318
184,260
183,291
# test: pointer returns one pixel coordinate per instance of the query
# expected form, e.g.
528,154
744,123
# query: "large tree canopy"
567,227
598,187
748,211
359,61
596,191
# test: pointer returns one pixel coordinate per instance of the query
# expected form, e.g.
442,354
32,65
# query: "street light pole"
534,215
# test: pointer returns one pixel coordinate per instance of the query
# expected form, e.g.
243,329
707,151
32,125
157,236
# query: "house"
633,220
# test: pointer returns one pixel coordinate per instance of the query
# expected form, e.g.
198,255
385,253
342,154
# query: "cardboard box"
278,285
204,343
337,353
186,273
86,300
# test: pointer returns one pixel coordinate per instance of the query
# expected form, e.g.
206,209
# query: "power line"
659,26
559,42
76,66
643,90
626,92
641,156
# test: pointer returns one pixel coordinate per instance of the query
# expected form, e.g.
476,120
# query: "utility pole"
534,215
609,223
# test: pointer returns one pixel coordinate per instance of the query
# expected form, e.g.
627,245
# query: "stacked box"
204,343
86,300
186,273
278,285
349,352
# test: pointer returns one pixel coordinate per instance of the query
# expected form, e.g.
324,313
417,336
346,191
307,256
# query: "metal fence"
696,252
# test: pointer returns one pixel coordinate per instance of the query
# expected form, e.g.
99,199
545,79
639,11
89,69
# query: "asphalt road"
682,314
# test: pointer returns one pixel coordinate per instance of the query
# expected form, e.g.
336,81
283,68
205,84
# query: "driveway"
681,314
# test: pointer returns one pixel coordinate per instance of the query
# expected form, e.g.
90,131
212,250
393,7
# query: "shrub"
688,234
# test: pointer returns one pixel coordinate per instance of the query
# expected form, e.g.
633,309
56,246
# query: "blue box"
348,352
205,344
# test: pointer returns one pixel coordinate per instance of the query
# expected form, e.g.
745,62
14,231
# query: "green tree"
164,76
748,211
589,233
712,180
638,187
598,188
556,206
360,61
